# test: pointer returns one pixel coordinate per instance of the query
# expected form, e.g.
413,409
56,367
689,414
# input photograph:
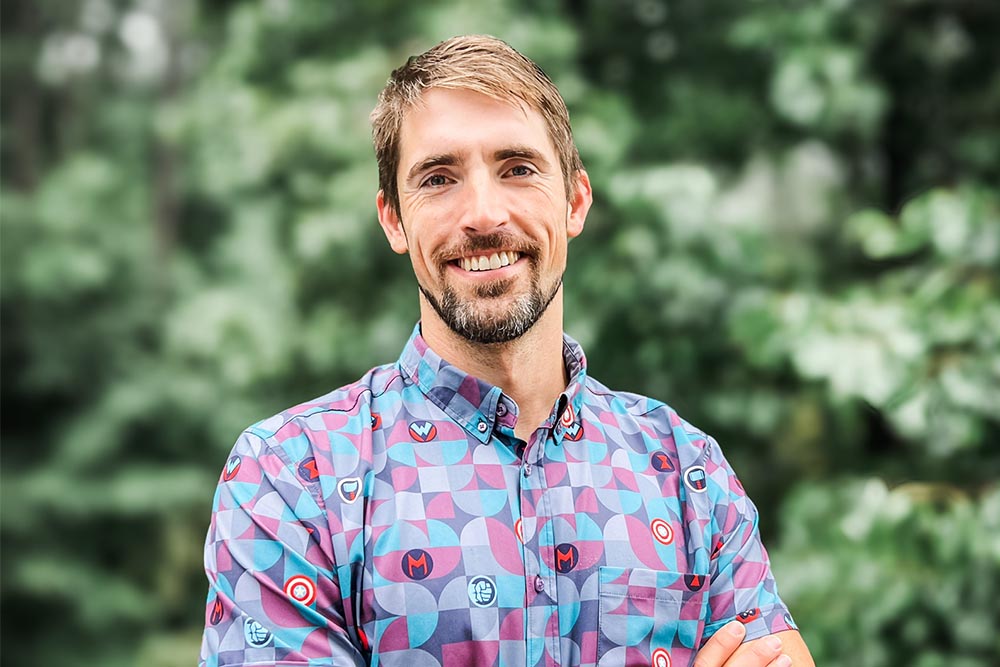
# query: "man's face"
484,213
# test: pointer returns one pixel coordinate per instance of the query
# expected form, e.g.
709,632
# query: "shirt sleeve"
742,586
273,596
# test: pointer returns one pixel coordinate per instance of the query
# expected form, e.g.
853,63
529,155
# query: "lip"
490,274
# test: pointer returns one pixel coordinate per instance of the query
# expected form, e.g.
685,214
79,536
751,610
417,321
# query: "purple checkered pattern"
399,521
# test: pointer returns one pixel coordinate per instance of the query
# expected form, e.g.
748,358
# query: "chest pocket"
649,617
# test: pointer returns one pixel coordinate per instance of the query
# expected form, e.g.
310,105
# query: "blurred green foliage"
796,243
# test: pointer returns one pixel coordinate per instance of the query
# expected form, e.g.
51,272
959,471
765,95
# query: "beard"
475,318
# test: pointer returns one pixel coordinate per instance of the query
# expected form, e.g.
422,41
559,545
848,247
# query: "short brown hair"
479,63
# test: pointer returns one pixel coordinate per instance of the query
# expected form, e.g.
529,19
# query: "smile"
488,262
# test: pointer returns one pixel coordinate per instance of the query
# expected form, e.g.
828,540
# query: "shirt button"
501,410
539,584
527,470
481,427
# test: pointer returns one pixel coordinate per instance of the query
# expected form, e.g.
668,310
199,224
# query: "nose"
484,209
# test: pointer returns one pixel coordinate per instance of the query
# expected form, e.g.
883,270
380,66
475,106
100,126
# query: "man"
483,500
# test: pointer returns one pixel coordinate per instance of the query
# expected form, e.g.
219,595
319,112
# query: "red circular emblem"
567,417
662,531
301,589
519,530
660,658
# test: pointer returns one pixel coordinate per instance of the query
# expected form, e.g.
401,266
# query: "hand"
719,650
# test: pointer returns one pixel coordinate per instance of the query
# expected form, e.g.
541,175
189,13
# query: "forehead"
463,121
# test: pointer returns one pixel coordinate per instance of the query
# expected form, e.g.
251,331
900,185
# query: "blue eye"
436,180
520,170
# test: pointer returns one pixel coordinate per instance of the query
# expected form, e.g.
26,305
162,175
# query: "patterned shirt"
399,521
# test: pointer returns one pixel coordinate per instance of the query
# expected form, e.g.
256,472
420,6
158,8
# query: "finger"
721,646
760,653
781,661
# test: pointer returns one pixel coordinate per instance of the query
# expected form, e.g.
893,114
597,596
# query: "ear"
391,224
579,204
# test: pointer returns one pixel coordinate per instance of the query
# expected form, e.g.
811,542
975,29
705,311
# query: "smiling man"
483,500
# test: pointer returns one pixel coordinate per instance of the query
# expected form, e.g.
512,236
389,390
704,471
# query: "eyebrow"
440,160
452,159
524,152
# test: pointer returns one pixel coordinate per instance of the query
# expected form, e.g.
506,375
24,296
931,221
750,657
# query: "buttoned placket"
542,587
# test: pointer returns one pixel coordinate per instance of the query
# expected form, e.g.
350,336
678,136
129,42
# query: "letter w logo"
423,431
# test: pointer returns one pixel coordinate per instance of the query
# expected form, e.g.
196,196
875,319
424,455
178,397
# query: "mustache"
473,245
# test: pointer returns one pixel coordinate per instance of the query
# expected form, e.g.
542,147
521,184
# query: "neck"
529,369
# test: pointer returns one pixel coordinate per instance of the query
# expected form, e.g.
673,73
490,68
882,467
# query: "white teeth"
494,261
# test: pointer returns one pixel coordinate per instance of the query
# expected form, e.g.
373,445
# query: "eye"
436,180
521,170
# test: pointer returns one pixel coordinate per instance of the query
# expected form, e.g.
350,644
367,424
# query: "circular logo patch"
301,589
574,432
568,417
662,531
308,470
660,658
696,479
232,467
217,611
567,556
482,591
417,564
519,530
255,633
423,431
661,462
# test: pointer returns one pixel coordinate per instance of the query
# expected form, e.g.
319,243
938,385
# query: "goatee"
473,318
470,322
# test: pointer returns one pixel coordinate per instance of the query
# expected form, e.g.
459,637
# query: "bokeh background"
795,242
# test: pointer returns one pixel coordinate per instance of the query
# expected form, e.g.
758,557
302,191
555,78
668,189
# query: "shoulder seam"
266,436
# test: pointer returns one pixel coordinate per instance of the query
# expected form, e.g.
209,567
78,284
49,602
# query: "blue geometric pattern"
400,521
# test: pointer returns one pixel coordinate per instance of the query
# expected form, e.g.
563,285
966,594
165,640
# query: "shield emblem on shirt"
349,489
694,582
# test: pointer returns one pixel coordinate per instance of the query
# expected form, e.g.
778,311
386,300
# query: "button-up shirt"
400,521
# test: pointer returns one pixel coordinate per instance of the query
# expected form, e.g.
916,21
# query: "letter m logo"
417,564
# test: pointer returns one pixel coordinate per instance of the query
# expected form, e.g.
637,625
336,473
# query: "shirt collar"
474,404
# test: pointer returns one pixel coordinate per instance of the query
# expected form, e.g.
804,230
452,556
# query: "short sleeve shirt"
399,521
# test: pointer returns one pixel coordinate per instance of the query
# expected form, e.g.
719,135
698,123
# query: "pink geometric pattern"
399,521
